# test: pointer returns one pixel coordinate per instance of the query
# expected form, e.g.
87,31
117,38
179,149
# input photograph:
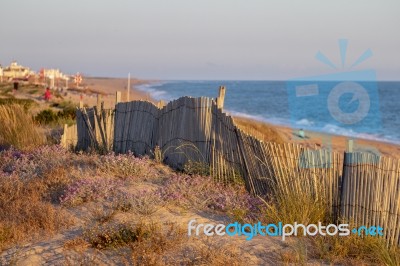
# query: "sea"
277,103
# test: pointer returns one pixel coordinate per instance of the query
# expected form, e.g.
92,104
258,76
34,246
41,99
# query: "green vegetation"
25,103
7,88
196,168
112,236
34,91
50,117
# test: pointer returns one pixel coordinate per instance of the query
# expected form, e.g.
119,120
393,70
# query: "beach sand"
108,88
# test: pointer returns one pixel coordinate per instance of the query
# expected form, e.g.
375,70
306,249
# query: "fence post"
99,98
350,143
344,211
64,136
160,104
81,101
221,97
117,97
128,87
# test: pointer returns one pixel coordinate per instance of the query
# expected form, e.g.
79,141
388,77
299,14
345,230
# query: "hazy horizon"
200,40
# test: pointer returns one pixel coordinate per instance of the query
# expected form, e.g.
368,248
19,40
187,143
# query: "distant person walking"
16,85
47,94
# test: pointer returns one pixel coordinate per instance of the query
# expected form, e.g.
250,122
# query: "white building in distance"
15,71
53,74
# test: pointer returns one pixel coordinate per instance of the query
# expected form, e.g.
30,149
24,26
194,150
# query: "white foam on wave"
155,93
336,130
245,115
305,122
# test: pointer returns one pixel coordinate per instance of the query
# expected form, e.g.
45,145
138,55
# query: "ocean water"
272,102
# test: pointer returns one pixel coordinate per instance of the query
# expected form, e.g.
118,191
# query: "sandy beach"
108,87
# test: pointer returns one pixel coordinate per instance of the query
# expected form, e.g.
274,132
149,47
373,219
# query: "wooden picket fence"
185,130
268,162
69,139
370,193
358,187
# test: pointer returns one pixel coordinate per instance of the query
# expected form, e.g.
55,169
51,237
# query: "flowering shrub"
124,165
34,163
205,193
38,162
121,201
89,189
145,202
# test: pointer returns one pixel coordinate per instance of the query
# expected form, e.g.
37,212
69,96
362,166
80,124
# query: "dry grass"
18,129
77,244
354,249
209,252
156,242
301,199
153,243
145,202
24,213
258,129
102,214
348,250
169,245
294,254
296,199
30,185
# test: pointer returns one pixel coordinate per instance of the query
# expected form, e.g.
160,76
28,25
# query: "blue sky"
199,39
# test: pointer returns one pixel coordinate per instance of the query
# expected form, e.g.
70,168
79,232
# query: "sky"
200,39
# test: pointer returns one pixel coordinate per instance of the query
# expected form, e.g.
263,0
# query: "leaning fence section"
187,132
95,129
226,161
85,129
183,133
